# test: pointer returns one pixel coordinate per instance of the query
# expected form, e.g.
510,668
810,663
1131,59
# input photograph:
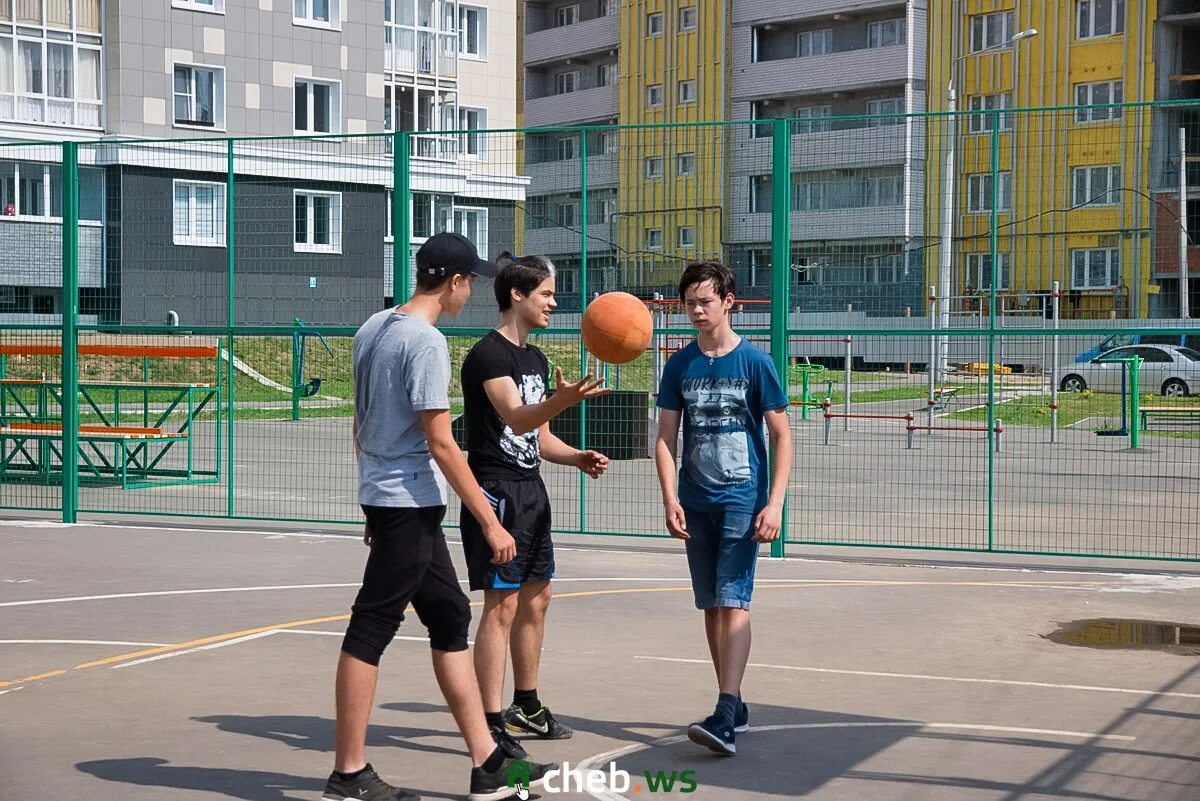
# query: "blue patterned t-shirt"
723,400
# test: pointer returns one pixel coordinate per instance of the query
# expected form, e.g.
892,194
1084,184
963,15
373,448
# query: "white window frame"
811,119
218,96
306,20
570,206
655,24
759,197
480,139
981,123
981,30
606,74
687,237
979,268
883,111
1085,97
685,165
480,233
565,143
823,36
689,17
1086,18
608,210
213,7
652,91
335,101
979,193
1112,264
652,168
191,239
1090,195
561,81
876,33
653,234
609,8
481,34
566,15
335,222
687,91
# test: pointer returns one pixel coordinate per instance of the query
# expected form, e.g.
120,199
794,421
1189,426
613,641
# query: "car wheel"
1073,383
1174,388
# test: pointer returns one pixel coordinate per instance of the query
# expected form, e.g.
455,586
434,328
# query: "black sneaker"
741,718
512,779
367,786
714,734
541,723
508,743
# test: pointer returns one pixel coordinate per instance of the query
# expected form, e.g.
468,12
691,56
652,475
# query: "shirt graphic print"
525,449
720,452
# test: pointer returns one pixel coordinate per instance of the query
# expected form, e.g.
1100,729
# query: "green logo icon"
517,774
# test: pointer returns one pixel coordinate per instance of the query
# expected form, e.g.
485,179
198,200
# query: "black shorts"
524,509
408,563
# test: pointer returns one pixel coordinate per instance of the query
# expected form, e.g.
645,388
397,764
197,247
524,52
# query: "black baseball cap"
447,254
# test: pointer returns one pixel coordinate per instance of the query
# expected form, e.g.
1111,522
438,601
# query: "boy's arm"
664,460
449,457
523,418
769,520
558,452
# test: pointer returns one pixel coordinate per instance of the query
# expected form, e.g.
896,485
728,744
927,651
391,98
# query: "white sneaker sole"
699,735
495,795
745,727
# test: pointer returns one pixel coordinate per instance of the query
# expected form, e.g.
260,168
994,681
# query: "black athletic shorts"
408,563
524,509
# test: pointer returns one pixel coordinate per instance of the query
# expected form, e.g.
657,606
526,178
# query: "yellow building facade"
672,69
1075,184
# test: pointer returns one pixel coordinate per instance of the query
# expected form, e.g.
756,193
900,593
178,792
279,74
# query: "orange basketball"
617,327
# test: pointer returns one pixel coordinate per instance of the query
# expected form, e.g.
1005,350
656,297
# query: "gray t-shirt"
401,368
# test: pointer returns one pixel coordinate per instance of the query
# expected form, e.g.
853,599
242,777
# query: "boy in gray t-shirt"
406,454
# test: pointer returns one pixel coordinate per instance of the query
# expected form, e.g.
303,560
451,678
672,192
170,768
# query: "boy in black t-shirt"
508,434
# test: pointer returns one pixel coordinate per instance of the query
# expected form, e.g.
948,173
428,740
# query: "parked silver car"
1169,369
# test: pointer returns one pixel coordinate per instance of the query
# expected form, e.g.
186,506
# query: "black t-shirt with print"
494,451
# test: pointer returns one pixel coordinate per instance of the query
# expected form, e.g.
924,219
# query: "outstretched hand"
584,389
592,463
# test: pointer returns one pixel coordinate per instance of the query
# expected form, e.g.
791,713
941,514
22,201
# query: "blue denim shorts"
721,557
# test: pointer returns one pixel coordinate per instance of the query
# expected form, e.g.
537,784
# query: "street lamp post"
944,285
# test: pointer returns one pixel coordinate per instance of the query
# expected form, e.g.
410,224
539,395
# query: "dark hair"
699,272
523,273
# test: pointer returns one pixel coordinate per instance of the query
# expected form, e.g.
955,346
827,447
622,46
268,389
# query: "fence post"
583,299
230,289
70,322
401,218
781,259
993,247
1054,370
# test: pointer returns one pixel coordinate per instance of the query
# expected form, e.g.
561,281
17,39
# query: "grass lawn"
1073,407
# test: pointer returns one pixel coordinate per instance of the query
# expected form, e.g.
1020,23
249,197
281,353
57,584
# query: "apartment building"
1088,198
153,90
846,72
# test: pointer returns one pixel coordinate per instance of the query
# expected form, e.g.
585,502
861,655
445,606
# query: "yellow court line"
233,635
32,678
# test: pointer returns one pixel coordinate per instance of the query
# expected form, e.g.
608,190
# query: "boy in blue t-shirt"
724,389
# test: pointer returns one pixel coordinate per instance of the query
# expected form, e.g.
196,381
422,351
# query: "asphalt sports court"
144,661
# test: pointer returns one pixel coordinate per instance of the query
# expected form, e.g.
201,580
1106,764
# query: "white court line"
592,579
84,642
866,553
925,677
599,761
210,647
408,638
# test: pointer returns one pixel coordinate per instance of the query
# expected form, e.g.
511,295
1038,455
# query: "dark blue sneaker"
367,786
741,718
714,734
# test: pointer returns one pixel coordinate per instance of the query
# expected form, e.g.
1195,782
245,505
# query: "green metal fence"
927,289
